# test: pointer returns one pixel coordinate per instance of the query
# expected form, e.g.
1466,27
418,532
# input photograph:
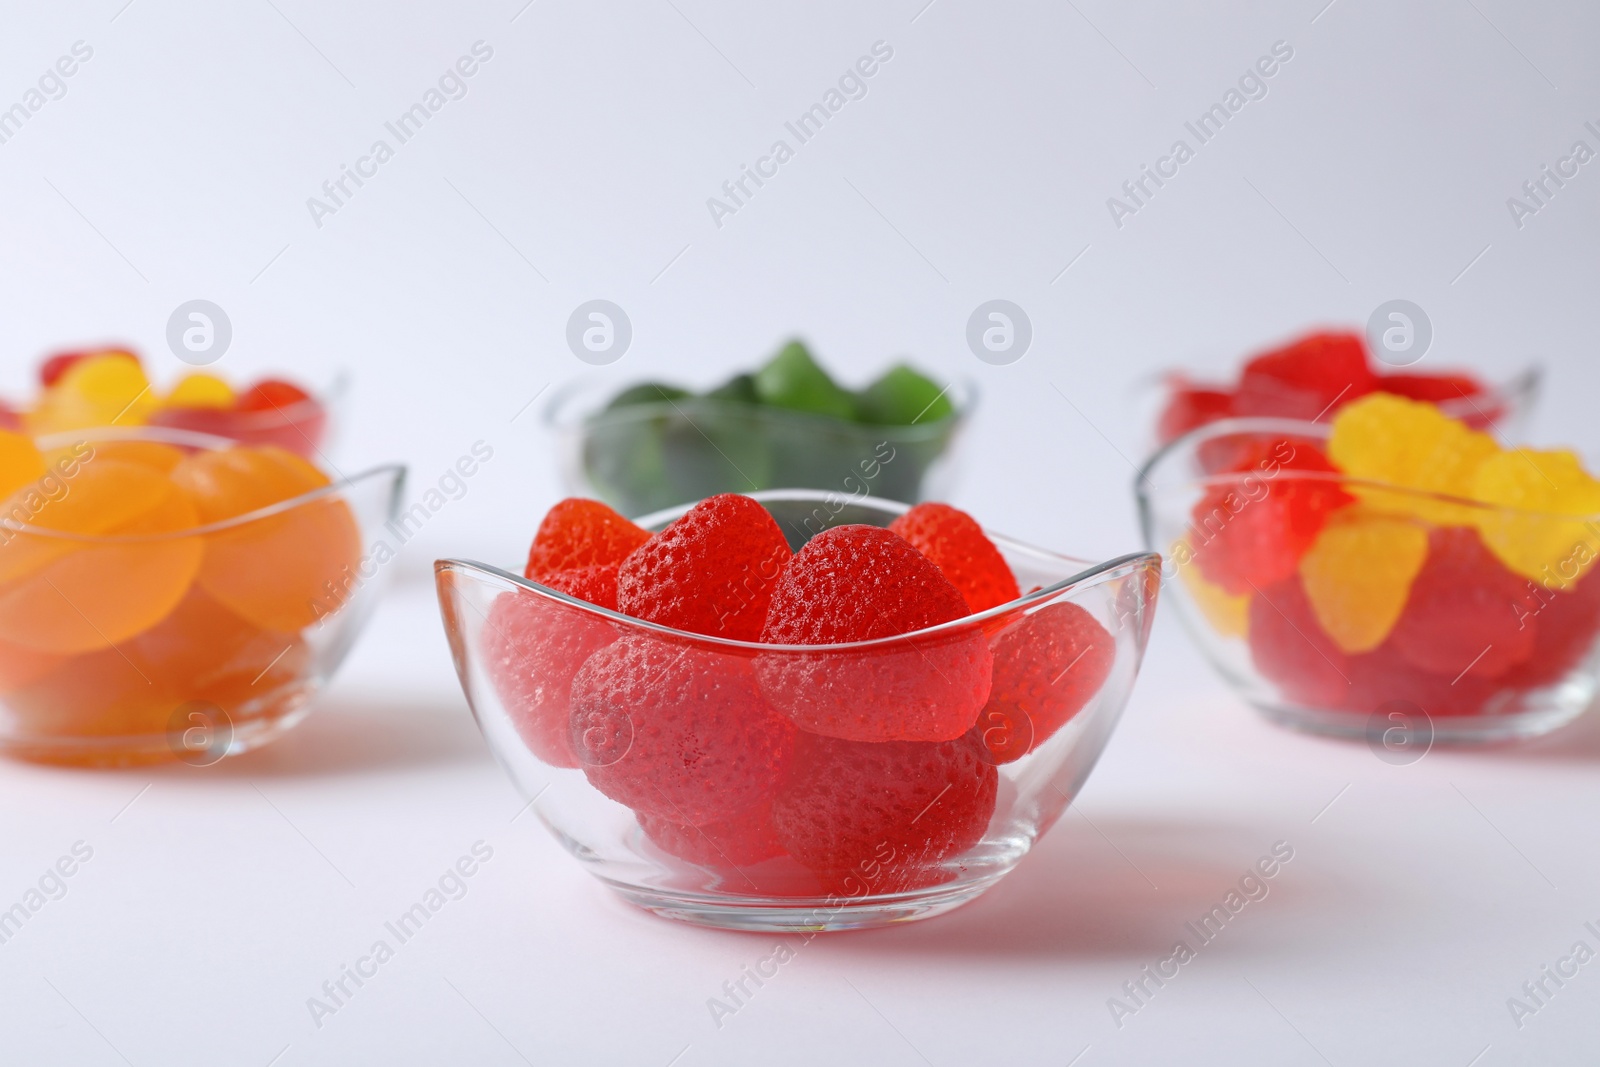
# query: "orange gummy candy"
283,571
200,652
64,595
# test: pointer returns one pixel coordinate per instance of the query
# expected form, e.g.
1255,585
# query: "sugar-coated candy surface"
580,533
711,572
1250,532
882,817
860,583
1466,613
1306,378
956,544
1548,484
1358,573
1046,668
531,648
284,571
1290,650
1389,439
676,731
728,844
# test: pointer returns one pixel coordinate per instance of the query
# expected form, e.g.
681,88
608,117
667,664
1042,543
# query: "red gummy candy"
270,394
743,840
1383,676
676,731
1481,410
862,583
1565,623
1434,388
882,818
531,648
1466,614
1191,406
956,544
1306,379
581,533
1290,649
1045,670
1251,532
597,584
711,572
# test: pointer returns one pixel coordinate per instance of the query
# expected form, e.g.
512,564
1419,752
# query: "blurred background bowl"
644,457
168,640
1470,650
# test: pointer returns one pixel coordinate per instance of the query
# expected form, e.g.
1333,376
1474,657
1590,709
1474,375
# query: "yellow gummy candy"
200,390
1357,575
1407,443
1535,539
1229,615
103,390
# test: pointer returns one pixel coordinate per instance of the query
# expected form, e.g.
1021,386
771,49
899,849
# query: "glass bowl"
304,428
169,640
1395,615
746,821
645,457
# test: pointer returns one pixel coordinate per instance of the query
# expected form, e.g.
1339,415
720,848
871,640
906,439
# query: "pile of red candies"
863,765
1311,378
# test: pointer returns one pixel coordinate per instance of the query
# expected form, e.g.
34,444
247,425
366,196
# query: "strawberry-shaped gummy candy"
711,572
861,583
884,817
956,544
677,731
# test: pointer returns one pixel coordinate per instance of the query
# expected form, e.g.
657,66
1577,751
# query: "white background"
178,165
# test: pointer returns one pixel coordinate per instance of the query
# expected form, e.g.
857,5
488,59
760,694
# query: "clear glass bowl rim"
1093,573
559,416
193,439
1274,427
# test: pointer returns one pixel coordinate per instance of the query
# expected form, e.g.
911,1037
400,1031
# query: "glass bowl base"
802,915
1452,730
146,750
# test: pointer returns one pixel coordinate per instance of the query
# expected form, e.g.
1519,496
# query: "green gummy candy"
740,388
793,380
902,397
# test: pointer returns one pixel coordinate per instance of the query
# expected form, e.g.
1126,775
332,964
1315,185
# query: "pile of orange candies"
126,592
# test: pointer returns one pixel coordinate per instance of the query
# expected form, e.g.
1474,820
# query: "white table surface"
217,901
